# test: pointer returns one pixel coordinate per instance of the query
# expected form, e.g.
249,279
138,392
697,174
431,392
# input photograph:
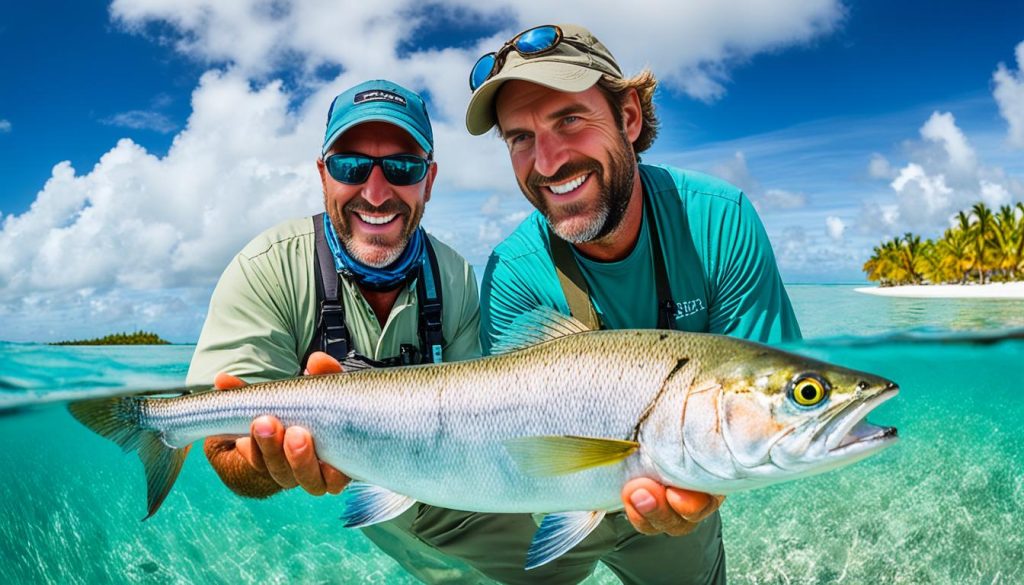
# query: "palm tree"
955,249
980,237
910,256
1004,241
979,242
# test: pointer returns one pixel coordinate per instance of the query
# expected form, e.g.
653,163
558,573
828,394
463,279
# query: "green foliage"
136,338
981,247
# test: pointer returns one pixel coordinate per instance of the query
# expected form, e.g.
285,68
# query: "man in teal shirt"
637,246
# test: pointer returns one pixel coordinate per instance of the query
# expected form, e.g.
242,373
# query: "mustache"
567,171
360,205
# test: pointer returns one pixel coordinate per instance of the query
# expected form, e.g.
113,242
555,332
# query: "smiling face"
374,220
573,160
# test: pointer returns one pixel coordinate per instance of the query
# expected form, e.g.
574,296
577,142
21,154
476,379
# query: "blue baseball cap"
379,101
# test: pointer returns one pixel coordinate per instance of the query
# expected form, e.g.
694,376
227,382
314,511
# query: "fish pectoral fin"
545,456
369,504
558,533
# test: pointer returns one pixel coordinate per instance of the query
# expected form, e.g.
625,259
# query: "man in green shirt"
620,244
386,289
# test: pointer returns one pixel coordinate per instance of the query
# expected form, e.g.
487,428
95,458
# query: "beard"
377,250
587,221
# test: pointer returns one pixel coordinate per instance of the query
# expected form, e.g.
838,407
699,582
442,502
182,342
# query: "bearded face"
585,219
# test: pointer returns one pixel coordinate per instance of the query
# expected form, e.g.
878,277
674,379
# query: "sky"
144,142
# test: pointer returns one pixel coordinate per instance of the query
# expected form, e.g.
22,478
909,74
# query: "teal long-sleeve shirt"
719,260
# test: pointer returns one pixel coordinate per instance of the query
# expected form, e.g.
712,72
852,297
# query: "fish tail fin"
120,420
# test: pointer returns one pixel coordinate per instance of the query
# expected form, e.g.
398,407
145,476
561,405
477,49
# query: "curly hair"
615,91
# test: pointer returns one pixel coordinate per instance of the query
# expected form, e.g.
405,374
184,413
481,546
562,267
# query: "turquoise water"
945,505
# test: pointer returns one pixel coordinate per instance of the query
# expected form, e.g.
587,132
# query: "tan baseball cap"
575,64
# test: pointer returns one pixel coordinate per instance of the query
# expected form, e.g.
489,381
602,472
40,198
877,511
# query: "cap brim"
566,77
387,115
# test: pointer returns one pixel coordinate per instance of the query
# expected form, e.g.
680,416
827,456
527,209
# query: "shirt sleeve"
748,297
465,343
246,332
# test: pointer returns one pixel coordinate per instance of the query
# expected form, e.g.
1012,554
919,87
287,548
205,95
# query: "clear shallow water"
946,505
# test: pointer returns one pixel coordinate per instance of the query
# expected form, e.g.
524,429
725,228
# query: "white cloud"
781,199
5,126
141,222
834,227
994,194
943,177
697,41
942,129
736,171
1009,94
142,120
879,168
924,199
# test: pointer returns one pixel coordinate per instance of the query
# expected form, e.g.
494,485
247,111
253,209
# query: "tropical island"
980,256
136,338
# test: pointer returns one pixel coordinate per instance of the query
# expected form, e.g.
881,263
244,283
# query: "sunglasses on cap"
399,169
534,41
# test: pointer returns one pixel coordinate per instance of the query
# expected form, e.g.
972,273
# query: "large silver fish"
557,424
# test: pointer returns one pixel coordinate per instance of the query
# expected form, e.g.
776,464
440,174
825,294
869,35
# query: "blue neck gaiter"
378,279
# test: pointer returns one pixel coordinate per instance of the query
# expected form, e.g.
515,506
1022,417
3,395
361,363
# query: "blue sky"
143,143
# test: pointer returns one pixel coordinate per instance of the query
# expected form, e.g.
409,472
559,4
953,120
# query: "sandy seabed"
998,290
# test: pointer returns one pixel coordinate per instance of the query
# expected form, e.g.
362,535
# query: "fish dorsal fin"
546,456
536,326
558,533
369,504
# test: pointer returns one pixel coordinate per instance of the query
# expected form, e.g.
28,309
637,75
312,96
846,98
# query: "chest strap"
334,338
332,335
577,292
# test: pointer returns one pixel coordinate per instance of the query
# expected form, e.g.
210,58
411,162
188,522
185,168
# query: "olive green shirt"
263,312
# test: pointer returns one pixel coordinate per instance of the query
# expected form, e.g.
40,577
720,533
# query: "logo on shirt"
687,308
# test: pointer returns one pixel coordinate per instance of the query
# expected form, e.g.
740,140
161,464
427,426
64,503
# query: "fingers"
654,509
321,363
225,381
301,456
335,480
268,437
692,506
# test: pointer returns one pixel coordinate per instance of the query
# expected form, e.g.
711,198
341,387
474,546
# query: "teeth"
566,187
377,220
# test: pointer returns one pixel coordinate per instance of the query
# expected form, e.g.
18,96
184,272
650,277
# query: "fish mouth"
851,434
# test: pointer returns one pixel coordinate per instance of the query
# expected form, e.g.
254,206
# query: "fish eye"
808,390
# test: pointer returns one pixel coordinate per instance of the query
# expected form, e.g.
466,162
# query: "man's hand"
654,508
285,456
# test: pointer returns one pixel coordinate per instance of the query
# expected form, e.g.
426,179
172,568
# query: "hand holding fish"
281,458
654,508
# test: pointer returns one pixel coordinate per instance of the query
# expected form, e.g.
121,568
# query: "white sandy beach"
998,290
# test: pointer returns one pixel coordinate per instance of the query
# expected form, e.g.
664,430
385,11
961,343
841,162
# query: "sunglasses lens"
349,169
481,71
536,40
404,169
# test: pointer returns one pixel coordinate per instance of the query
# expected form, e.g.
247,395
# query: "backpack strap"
666,306
577,292
428,292
332,336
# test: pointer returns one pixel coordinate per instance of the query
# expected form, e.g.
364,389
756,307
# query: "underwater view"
944,505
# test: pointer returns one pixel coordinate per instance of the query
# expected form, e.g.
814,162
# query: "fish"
555,421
